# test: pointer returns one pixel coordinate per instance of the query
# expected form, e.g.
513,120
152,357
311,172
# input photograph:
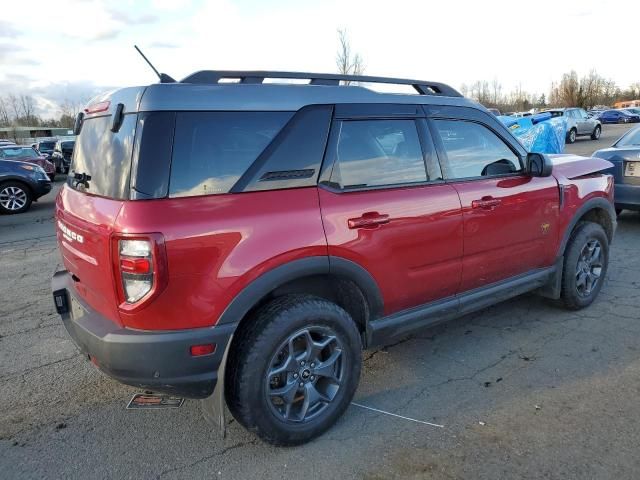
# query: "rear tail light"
140,264
136,267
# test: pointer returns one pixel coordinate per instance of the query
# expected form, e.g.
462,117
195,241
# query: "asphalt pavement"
523,389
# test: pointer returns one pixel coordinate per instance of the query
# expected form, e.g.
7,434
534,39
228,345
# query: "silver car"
578,123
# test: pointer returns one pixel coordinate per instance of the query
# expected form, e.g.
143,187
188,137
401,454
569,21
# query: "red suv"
243,242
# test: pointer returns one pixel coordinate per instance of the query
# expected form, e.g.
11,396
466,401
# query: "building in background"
627,104
25,135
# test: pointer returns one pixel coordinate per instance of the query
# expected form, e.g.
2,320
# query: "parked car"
25,153
625,156
632,110
243,242
62,154
4,143
45,147
618,116
20,184
578,123
495,111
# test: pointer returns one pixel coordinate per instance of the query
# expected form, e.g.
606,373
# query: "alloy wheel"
589,268
305,374
13,198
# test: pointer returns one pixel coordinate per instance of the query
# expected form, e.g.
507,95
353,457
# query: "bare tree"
5,117
348,63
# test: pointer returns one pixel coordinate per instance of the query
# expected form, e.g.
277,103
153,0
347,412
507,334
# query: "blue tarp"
538,133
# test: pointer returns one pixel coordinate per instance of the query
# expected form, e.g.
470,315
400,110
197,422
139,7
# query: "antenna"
164,78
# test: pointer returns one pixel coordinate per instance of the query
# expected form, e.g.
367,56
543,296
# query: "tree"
347,63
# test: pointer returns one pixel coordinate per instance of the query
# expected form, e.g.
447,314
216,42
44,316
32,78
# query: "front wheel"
14,198
596,133
294,369
585,265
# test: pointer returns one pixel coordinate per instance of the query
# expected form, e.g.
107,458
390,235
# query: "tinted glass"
377,153
14,153
211,150
46,146
104,156
152,157
67,145
472,150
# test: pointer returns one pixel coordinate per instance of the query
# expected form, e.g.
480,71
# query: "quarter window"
472,150
211,150
374,153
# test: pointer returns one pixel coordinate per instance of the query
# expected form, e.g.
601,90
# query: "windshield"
67,145
46,146
631,139
102,159
11,153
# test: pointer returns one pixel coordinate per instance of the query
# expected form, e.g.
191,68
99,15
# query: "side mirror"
539,165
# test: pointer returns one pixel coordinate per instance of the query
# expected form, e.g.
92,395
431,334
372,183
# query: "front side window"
211,150
373,153
472,150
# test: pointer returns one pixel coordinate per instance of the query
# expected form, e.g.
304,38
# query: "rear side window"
472,150
374,153
103,156
212,150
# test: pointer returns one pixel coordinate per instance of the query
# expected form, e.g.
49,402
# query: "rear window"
67,145
104,156
46,145
211,150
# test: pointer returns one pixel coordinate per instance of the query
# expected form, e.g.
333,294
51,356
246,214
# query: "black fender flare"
304,267
589,205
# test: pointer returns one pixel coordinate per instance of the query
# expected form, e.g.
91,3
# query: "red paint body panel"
517,234
416,257
89,260
216,245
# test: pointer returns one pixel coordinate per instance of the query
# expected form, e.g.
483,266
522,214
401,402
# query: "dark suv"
61,155
245,241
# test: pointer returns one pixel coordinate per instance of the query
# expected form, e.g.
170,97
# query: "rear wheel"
294,369
585,265
571,136
14,198
596,133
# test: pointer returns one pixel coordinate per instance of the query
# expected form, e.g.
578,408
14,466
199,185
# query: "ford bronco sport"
243,242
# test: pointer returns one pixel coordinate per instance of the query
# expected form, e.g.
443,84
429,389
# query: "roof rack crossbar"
214,76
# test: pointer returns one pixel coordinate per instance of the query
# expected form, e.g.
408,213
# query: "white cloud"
457,42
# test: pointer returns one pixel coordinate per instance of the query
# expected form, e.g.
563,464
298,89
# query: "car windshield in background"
631,139
67,145
9,153
103,156
46,146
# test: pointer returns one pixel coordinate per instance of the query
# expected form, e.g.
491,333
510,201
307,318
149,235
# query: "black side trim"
267,282
296,269
402,323
589,205
363,279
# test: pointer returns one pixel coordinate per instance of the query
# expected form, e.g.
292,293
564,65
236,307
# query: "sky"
70,50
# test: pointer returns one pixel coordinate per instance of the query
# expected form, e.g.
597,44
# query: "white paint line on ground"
396,415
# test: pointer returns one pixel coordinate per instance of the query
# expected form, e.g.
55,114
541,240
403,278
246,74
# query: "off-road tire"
250,358
583,234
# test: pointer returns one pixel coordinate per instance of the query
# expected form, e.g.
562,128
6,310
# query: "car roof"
210,90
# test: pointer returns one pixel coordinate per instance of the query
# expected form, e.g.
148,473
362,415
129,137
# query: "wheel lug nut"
302,363
313,365
301,384
295,375
312,378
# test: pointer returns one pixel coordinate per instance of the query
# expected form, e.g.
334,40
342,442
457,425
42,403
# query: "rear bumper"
627,196
159,361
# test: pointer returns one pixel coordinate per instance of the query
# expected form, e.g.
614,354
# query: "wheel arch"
596,210
334,278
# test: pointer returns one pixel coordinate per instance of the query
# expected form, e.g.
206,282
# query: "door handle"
368,220
487,203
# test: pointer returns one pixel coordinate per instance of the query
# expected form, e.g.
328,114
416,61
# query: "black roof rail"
214,76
